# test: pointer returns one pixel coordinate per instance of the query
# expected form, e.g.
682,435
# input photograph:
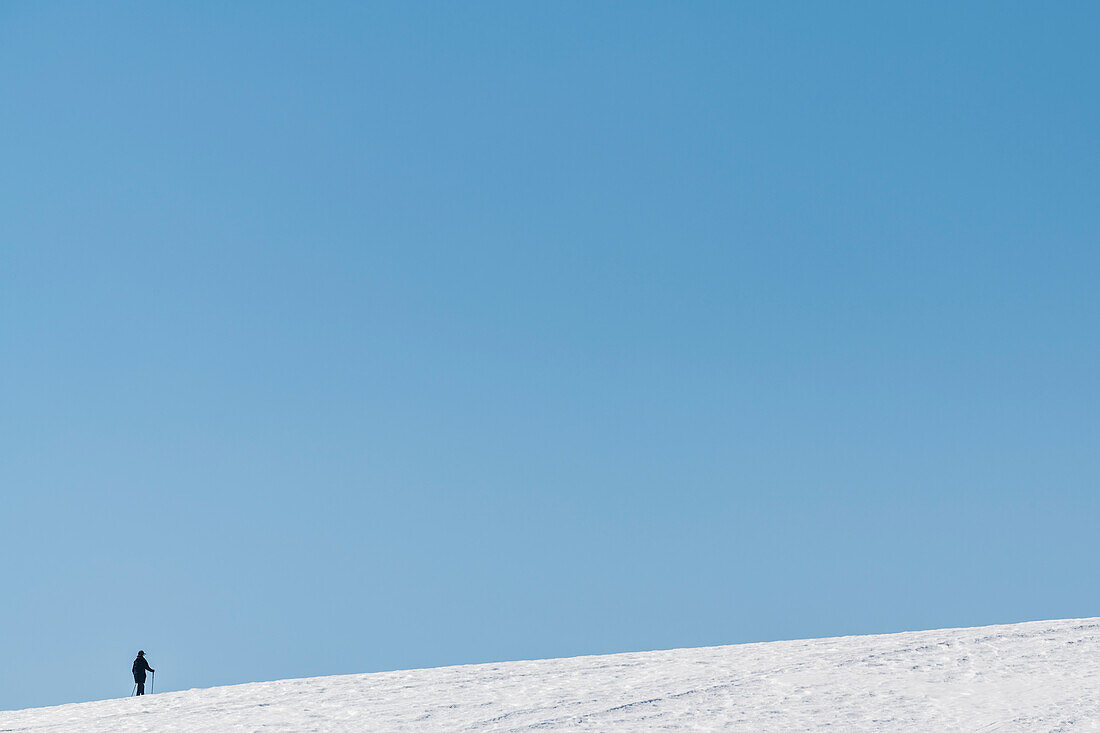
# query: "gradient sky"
347,337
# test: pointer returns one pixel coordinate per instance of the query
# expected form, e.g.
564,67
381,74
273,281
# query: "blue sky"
345,337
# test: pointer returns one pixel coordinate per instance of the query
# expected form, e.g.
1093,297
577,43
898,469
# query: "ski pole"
152,682
133,691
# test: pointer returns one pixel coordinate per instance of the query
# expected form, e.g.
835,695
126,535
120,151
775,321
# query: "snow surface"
1039,676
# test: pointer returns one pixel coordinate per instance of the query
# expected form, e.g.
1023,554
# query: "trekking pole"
133,691
152,682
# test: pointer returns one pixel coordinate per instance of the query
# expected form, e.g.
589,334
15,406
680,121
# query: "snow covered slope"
1041,676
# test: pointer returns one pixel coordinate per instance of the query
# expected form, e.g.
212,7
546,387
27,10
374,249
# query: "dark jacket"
140,665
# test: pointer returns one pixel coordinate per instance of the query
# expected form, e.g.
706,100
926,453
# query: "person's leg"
141,688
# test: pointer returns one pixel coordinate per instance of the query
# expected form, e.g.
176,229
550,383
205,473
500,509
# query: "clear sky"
347,337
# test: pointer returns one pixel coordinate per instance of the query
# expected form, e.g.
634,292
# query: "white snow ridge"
1039,676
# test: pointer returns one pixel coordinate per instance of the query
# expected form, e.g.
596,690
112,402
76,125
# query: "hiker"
140,666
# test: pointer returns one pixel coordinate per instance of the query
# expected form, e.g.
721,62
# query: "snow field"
1039,676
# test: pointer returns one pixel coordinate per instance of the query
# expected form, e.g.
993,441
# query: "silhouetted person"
140,665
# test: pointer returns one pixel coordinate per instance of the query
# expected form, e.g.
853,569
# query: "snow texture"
1039,676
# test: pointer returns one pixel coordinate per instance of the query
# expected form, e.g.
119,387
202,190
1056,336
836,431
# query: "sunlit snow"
1040,676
